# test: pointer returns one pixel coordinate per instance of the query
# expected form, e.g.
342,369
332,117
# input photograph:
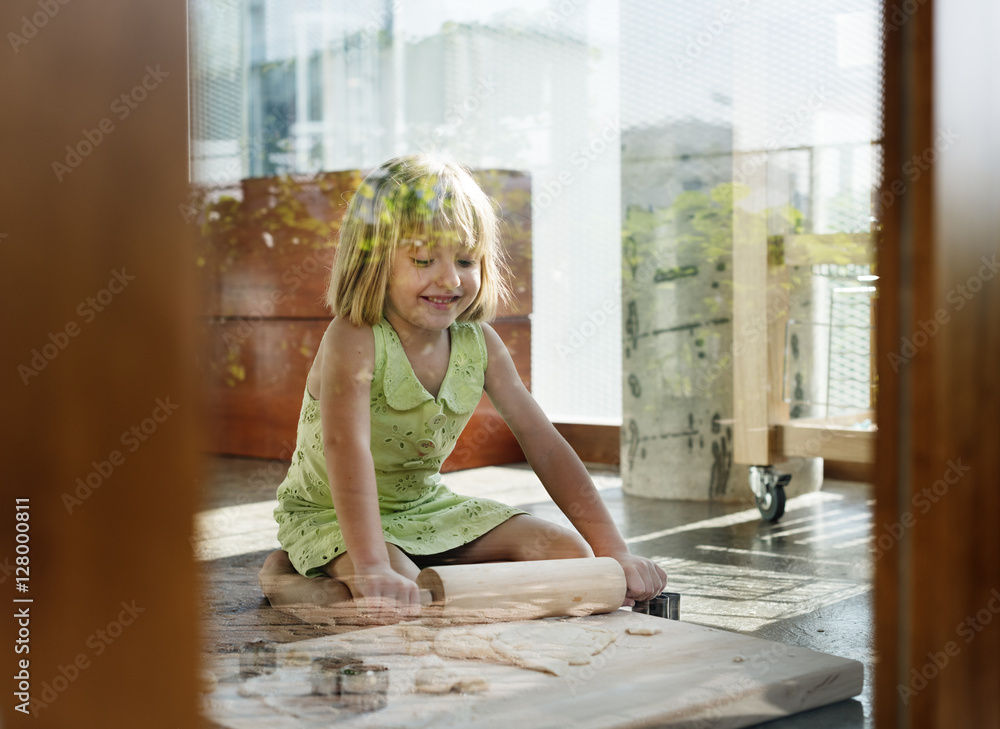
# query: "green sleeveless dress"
412,433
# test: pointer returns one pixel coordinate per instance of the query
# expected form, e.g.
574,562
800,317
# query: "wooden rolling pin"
481,592
523,590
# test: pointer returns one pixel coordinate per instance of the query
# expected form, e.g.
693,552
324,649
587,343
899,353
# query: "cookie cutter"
665,605
364,688
258,658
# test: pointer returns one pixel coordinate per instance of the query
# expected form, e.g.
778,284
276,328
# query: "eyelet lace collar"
462,387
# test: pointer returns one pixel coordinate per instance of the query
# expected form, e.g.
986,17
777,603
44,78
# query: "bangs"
433,201
418,198
440,231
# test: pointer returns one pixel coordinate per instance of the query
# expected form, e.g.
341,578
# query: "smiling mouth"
442,300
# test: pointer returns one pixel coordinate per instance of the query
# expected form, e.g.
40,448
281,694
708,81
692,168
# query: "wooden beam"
751,370
100,428
776,318
845,471
751,328
891,620
802,439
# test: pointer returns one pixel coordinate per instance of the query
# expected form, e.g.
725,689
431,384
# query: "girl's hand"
380,592
644,579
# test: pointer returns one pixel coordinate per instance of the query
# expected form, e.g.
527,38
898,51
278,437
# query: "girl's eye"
466,264
420,263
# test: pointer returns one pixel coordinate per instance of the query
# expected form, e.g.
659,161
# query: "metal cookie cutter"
364,688
258,658
324,674
665,605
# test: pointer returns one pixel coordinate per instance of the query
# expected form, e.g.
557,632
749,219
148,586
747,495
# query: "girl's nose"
449,277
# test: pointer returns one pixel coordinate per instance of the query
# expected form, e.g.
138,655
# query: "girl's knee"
283,586
556,542
277,563
274,575
573,546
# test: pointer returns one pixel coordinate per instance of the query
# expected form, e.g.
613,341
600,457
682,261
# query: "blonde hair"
403,197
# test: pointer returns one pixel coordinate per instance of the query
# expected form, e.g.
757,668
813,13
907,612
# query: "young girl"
397,376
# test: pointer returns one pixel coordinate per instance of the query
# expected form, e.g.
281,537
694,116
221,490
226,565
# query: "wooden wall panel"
254,378
593,443
486,440
96,277
268,253
512,192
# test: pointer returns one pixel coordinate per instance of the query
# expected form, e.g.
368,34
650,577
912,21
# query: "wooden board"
686,675
837,438
254,372
798,439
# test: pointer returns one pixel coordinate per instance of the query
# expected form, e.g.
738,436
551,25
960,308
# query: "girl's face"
431,283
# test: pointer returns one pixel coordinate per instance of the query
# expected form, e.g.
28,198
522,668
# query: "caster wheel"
772,505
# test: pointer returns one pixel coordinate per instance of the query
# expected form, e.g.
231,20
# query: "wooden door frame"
937,518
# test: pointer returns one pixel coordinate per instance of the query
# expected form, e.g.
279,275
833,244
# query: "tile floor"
805,581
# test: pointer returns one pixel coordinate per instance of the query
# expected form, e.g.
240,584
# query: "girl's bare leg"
522,537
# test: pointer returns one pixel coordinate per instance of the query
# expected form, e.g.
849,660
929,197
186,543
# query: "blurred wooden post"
100,426
937,526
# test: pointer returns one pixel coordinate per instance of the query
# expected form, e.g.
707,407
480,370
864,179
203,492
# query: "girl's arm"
561,471
348,359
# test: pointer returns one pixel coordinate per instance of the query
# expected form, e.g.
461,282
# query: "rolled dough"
445,680
549,645
546,646
643,630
